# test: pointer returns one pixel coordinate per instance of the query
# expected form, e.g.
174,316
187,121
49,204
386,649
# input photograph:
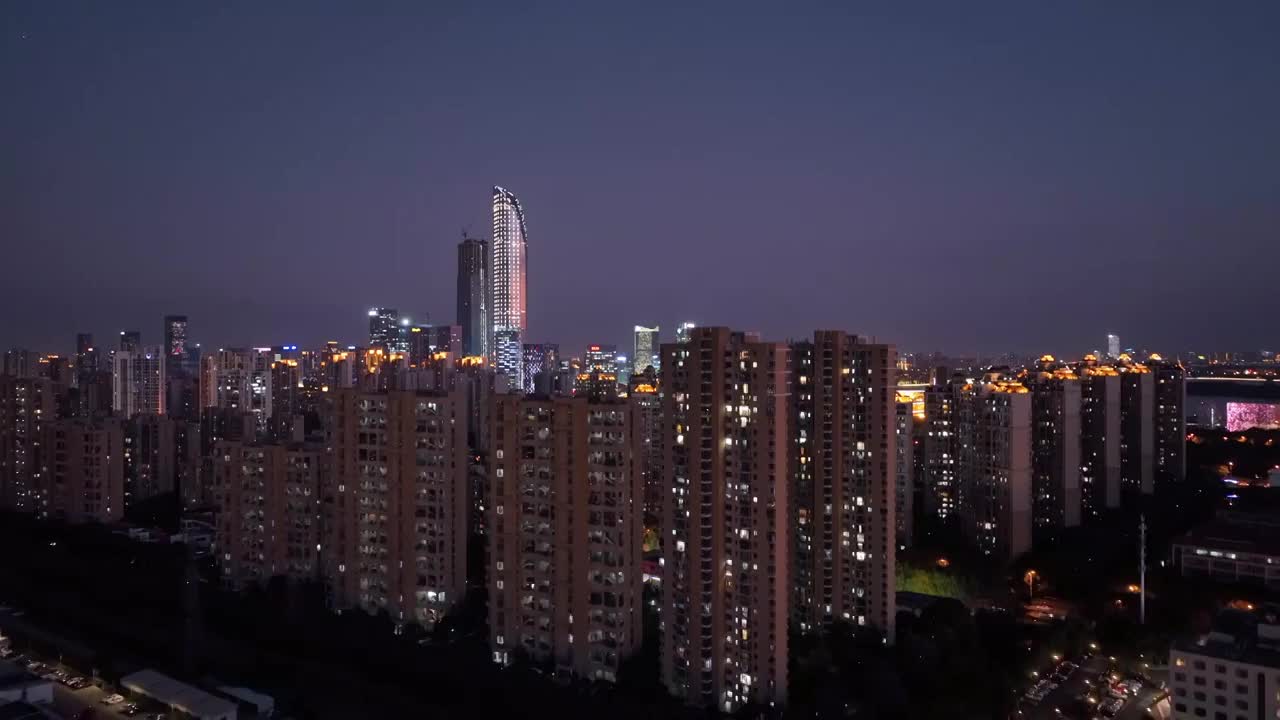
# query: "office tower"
138,382
1170,420
603,358
473,296
130,341
427,342
904,462
86,359
623,366
848,499
175,337
993,424
150,457
85,471
398,502
1113,346
508,286
537,360
384,328
941,449
1137,430
1055,448
644,395
646,349
724,519
565,533
683,331
268,509
27,407
1099,438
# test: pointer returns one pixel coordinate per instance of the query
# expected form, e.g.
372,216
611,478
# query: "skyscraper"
473,296
683,330
1137,430
725,520
384,328
175,339
1113,346
508,273
846,499
130,340
646,349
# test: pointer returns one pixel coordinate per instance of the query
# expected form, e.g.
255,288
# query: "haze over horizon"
978,182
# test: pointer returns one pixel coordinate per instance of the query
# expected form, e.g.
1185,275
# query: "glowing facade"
646,349
508,254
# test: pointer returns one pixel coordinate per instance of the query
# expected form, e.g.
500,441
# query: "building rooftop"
1251,637
179,695
1235,532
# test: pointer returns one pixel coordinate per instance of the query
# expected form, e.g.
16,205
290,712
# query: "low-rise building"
1232,672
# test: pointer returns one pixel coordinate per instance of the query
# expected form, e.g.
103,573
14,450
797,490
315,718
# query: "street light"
1030,578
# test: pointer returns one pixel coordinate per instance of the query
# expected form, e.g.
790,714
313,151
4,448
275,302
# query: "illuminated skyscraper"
1113,346
384,328
175,339
473,296
646,350
683,330
130,340
508,269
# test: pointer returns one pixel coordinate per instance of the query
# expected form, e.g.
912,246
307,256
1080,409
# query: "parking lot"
1090,688
77,694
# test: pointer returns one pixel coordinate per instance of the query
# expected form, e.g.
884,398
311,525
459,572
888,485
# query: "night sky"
963,177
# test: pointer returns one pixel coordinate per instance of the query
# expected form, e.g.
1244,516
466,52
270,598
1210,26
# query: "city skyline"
902,159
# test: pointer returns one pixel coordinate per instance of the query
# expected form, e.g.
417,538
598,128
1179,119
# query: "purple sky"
964,177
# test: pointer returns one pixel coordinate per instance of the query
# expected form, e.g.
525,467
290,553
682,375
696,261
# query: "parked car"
115,699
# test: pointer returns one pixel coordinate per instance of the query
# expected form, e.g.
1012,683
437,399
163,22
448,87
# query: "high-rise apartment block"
1055,447
1170,420
941,448
993,426
508,286
903,478
27,407
397,498
1137,430
565,527
473,296
138,382
848,499
1099,438
85,473
725,520
269,513
644,393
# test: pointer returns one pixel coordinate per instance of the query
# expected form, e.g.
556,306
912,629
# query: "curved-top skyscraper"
508,271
